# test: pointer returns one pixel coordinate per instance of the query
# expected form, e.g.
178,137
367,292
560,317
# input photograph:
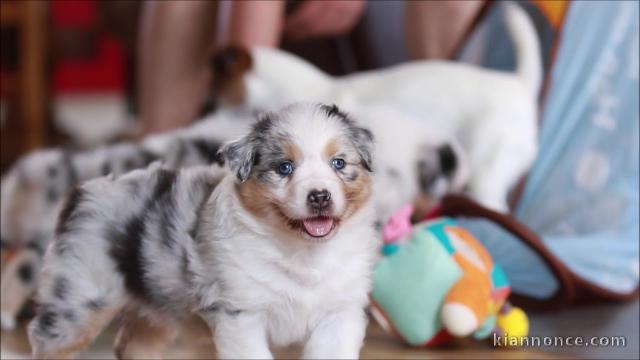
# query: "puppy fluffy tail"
525,39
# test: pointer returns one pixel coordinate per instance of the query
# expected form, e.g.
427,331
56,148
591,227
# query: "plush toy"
436,281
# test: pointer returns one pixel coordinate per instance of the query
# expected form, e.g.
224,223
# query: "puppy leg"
18,283
238,335
141,337
58,333
77,300
500,156
491,194
495,175
338,336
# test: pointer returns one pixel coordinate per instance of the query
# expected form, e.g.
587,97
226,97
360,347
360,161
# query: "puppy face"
305,169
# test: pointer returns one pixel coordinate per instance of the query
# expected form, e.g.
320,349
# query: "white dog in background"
493,114
279,251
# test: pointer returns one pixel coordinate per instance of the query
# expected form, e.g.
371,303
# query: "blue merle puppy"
277,250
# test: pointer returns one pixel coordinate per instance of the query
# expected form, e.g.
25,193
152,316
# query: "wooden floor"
378,345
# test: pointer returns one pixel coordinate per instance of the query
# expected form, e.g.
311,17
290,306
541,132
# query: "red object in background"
105,70
441,338
81,14
433,213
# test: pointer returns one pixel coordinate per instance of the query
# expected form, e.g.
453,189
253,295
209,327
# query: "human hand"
319,18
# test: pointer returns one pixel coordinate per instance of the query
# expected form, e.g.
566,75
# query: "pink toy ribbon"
398,225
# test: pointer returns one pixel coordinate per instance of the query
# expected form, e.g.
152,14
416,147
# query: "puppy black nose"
319,199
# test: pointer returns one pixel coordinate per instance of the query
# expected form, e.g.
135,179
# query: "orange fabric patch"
553,10
473,289
473,243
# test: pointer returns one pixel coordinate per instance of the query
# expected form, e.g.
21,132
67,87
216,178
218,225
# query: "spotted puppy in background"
34,189
280,251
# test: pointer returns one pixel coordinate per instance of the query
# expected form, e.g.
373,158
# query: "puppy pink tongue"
318,227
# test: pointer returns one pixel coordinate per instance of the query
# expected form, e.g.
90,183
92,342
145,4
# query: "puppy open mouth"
317,227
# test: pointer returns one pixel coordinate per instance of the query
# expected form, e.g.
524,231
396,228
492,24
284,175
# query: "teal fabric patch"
498,277
389,249
486,328
410,284
438,229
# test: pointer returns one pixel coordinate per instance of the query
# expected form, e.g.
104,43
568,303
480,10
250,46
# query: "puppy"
37,185
278,251
492,113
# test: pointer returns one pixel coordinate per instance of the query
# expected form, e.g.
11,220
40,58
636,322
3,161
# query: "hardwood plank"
378,345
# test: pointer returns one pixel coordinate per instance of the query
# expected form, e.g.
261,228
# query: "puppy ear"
228,65
363,141
240,157
361,138
231,60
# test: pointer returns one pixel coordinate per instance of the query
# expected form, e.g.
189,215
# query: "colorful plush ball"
437,281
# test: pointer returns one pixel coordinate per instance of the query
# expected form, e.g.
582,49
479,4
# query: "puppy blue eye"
338,164
286,168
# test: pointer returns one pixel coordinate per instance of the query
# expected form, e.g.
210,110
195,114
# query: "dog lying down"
277,250
414,161
492,113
